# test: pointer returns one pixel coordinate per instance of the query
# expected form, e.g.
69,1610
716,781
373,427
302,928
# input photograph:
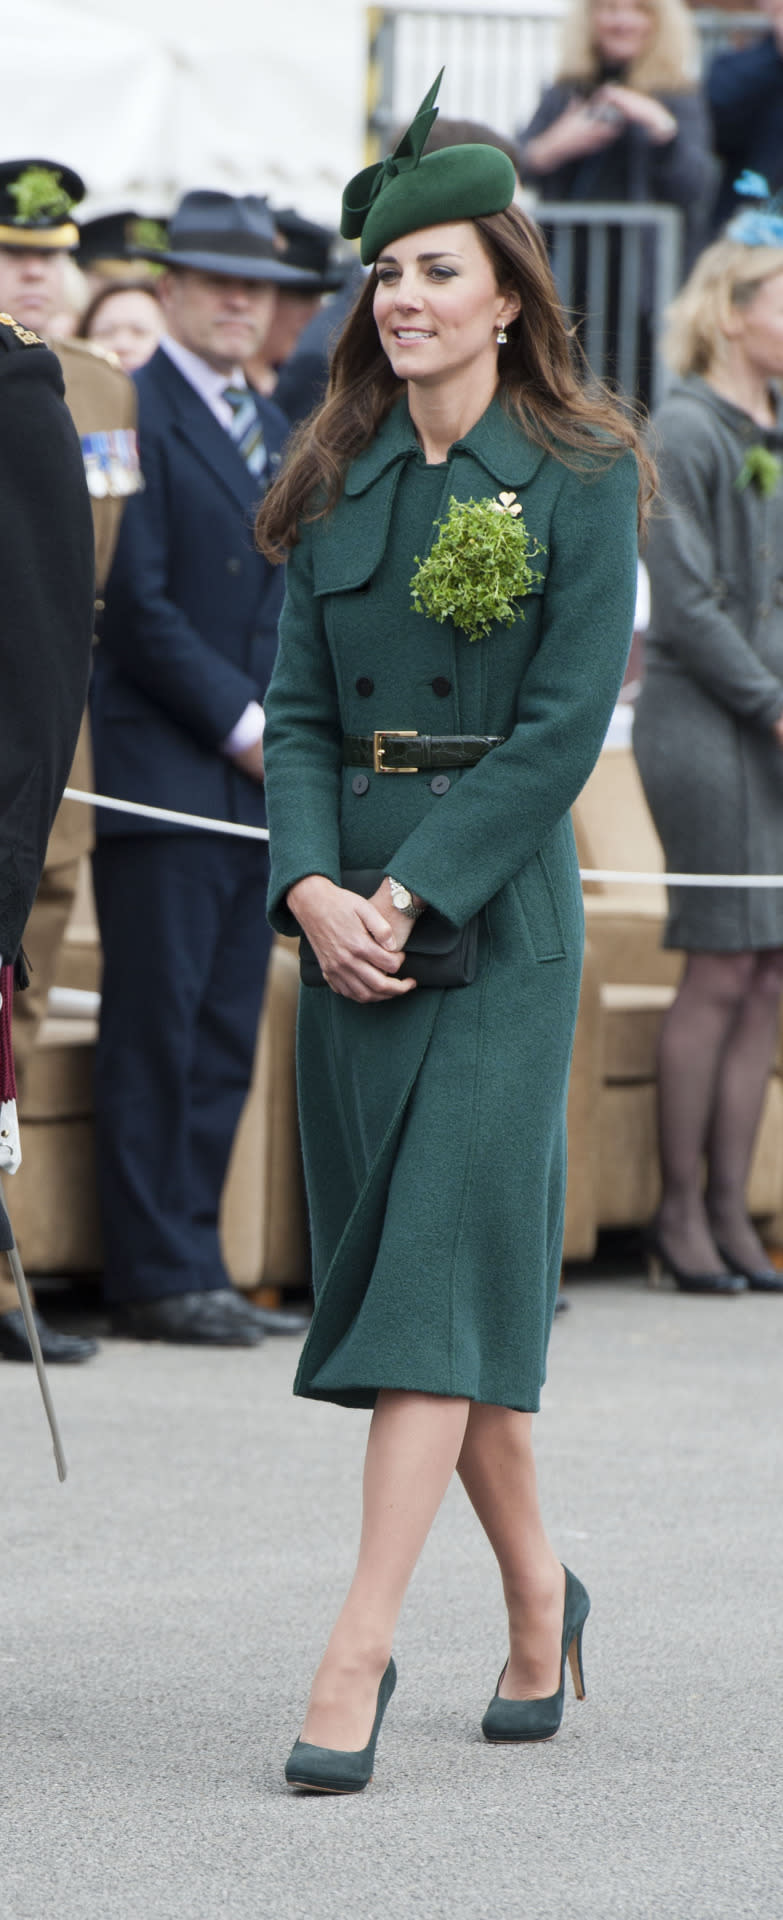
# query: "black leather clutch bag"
437,954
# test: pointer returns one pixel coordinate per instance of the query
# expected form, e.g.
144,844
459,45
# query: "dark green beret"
409,191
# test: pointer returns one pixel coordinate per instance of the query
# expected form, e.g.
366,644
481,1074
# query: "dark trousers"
186,943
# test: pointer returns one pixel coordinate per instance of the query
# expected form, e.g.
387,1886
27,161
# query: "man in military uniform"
46,565
37,233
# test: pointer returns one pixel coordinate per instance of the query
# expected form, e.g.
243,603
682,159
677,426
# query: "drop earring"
502,336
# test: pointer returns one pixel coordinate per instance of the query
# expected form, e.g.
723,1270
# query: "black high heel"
509,1721
759,1279
660,1262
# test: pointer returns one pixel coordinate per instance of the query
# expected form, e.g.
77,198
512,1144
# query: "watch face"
400,895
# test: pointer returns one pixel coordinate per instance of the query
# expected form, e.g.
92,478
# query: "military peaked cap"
37,198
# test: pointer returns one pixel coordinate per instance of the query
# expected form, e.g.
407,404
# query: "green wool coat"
433,1127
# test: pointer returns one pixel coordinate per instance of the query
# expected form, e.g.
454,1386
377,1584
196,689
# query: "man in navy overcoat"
187,646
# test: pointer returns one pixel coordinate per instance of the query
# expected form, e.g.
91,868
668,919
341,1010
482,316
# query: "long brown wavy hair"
542,385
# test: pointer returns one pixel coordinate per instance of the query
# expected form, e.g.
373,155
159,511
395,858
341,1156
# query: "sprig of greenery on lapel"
761,469
478,568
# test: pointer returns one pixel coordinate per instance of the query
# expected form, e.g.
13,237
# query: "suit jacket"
47,570
745,95
190,627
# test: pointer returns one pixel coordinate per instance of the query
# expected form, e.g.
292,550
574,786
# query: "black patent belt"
392,751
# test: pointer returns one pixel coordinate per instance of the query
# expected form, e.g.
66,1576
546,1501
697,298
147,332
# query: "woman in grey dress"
708,738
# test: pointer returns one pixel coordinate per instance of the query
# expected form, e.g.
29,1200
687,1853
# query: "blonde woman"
625,120
708,737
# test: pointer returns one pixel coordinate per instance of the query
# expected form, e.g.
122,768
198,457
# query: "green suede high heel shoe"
512,1720
333,1770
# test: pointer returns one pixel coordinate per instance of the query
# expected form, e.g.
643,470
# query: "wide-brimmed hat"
411,190
224,233
310,248
36,201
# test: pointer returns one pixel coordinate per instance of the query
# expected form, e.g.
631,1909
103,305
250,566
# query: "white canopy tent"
255,96
273,103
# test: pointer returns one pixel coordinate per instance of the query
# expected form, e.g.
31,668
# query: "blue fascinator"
762,225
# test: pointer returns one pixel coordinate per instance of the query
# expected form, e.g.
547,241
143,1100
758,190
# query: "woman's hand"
358,943
777,729
579,130
640,110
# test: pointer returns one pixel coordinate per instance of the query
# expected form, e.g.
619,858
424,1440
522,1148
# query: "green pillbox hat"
408,191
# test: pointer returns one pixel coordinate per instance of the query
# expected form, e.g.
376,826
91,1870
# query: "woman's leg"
497,1470
692,1040
412,1450
739,1097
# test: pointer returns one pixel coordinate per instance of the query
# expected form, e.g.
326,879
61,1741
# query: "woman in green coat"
443,762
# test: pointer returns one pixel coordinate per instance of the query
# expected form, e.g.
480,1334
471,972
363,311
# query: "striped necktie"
246,430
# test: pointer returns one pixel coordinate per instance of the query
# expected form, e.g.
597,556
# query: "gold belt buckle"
378,749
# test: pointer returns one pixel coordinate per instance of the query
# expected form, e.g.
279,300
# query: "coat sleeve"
553,102
683,170
687,617
154,643
739,85
47,565
302,745
496,816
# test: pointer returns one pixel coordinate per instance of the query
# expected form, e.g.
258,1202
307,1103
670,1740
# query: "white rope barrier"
684,879
167,813
607,875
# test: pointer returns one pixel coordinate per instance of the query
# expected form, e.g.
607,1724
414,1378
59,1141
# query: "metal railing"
497,64
616,267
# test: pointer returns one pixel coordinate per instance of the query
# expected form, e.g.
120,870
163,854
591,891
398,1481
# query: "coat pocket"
538,904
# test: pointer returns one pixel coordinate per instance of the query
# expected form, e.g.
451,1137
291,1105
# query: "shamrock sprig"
39,196
761,469
478,568
149,233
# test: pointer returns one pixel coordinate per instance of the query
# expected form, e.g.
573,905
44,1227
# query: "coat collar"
195,423
496,443
735,417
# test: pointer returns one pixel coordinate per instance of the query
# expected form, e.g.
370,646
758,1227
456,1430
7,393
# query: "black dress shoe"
268,1319
217,1318
67,1348
273,1320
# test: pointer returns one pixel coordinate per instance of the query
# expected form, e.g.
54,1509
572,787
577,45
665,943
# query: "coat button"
360,783
441,686
440,784
365,686
233,565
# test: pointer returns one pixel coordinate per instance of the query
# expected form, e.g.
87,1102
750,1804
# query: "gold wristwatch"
402,899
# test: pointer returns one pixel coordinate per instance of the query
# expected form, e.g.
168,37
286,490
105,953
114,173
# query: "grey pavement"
163,1611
